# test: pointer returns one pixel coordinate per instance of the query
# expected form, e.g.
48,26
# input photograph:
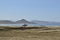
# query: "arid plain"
30,33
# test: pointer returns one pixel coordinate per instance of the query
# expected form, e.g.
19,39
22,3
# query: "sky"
44,10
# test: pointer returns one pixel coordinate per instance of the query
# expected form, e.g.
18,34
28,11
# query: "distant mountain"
39,22
45,22
24,21
6,22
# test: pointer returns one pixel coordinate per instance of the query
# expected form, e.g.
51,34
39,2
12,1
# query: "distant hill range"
44,22
23,21
6,22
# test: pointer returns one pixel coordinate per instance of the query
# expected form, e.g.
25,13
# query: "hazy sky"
47,10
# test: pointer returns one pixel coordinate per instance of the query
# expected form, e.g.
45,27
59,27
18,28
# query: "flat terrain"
40,33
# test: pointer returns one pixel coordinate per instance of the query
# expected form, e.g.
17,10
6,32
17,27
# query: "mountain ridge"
27,22
45,22
22,21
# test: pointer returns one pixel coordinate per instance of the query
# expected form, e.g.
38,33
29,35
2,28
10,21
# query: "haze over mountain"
44,22
6,22
23,21
39,22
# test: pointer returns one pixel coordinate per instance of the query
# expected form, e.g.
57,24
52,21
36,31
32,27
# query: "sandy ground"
52,33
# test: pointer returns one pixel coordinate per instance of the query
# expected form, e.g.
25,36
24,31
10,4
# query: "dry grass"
30,33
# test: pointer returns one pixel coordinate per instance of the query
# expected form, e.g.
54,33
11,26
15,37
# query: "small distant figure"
24,25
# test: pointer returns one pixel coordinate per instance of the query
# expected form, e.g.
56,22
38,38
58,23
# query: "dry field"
30,33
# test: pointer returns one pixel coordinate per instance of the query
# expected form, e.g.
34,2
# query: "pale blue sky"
44,10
